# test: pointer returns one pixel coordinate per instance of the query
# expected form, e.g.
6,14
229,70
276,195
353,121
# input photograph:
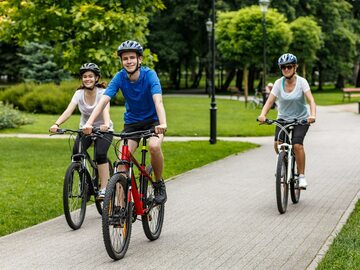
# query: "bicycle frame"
129,161
286,146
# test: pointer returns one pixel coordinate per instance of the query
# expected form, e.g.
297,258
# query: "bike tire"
100,203
116,220
282,187
152,221
294,183
74,195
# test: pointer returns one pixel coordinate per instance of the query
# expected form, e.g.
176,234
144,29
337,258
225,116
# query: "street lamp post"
210,28
264,4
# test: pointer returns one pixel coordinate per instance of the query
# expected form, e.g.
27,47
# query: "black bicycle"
81,182
128,196
287,176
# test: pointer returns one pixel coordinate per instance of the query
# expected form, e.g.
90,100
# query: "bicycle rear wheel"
99,203
152,221
75,195
282,187
294,183
116,218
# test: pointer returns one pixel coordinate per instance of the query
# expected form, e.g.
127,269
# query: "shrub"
12,118
45,98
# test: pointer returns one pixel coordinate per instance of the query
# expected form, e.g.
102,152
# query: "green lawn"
32,171
186,116
344,253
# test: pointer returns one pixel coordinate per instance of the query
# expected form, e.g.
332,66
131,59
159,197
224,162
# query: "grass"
186,116
32,171
344,252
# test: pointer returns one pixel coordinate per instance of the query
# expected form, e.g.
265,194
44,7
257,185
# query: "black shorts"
143,125
298,135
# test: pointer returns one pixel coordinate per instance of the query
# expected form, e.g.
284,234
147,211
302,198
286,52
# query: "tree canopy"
80,31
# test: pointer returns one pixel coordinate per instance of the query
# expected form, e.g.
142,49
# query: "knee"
298,148
154,147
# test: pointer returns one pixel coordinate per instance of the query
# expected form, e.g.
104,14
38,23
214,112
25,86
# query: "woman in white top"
86,98
291,91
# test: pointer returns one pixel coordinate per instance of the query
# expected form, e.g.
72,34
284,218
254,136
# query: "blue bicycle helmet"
287,58
130,46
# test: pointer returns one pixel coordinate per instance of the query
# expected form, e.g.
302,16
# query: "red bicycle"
128,196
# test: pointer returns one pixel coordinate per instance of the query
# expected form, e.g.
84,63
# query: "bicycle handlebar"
283,123
127,135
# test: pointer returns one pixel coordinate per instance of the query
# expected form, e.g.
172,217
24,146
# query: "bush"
45,98
12,118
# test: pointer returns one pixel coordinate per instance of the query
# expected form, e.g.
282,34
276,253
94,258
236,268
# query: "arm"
311,101
160,111
63,117
269,102
87,128
106,117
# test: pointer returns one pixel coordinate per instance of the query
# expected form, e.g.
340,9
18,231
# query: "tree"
239,36
306,41
10,63
80,31
39,65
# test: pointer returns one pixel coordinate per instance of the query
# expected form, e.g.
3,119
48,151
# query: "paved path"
221,216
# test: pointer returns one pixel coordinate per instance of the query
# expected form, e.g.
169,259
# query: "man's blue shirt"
139,102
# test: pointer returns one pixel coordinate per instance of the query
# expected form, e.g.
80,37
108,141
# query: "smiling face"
288,70
89,79
130,61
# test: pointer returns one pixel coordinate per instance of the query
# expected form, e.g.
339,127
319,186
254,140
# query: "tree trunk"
340,82
239,79
320,78
246,88
229,77
251,80
357,81
197,76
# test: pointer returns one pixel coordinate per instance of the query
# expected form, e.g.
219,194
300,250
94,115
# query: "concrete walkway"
223,215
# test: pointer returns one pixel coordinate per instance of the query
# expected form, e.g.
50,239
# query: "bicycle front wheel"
99,203
282,187
294,183
152,221
116,218
74,195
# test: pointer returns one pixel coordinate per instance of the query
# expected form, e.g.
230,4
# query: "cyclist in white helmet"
291,91
86,98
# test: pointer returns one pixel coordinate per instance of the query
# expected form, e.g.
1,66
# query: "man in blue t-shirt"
141,89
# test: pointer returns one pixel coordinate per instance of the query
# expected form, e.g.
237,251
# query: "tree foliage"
80,31
239,35
306,42
39,65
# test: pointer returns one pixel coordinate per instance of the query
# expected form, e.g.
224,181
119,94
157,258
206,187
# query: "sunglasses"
289,67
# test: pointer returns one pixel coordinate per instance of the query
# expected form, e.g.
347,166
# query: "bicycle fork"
287,148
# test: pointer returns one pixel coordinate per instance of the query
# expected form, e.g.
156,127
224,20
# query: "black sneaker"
160,192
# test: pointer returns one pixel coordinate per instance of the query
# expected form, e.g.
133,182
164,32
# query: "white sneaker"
101,194
302,182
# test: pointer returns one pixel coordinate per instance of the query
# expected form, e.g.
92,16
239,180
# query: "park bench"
348,92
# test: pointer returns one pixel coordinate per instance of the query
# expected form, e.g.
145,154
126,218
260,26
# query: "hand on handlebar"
261,119
161,129
104,127
311,119
87,129
53,128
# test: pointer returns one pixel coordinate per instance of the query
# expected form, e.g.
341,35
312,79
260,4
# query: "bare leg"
157,158
104,174
300,158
